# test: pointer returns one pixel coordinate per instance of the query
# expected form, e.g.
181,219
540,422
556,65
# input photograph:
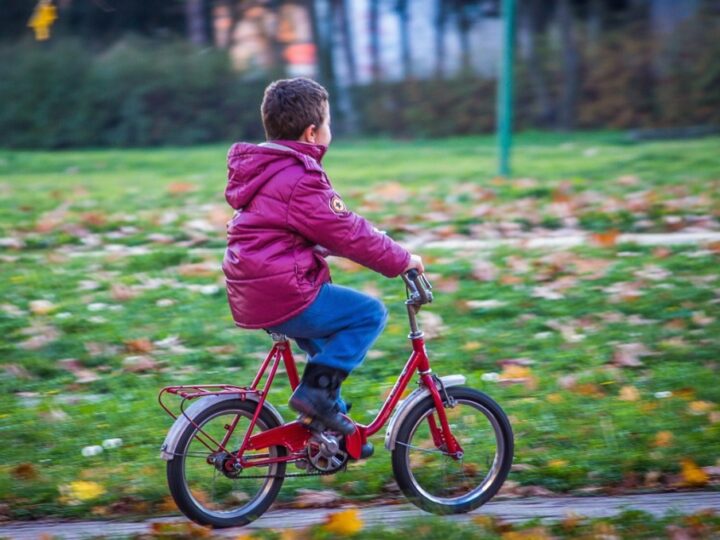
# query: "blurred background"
581,291
139,72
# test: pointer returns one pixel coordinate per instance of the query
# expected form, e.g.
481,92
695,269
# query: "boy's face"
323,134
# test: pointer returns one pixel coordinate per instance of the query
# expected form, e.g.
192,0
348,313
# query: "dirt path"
548,508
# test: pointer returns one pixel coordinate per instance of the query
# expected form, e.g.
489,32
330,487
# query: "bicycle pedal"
367,450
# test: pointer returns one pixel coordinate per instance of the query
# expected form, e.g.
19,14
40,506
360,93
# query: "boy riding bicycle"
287,220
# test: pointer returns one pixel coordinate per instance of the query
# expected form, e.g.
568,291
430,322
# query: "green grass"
81,225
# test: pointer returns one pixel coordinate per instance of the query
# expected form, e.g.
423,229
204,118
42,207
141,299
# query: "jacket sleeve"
318,213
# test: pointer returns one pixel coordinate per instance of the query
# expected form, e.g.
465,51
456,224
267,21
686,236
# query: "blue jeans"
338,328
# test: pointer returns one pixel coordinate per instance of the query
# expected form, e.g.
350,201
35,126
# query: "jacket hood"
251,166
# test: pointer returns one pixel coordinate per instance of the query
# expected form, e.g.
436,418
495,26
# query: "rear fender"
169,447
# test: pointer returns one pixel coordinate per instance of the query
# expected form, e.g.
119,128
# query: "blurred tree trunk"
375,40
196,23
342,29
440,24
534,20
348,38
323,54
595,18
570,66
271,34
402,10
464,23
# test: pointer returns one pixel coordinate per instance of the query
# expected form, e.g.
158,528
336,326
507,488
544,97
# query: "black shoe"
316,397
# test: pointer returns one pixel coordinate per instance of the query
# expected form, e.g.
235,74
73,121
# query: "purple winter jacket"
286,207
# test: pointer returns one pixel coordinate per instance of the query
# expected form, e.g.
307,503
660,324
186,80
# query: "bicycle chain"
291,475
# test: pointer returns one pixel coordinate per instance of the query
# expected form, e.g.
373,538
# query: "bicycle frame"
294,436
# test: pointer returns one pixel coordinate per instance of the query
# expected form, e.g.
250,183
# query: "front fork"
442,435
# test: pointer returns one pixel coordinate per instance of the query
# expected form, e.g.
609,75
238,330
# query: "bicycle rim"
444,480
216,495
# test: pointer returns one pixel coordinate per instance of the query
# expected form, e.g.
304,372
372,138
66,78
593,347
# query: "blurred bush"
142,92
137,93
629,78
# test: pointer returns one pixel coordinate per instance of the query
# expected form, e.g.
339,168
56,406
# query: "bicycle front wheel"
443,484
203,489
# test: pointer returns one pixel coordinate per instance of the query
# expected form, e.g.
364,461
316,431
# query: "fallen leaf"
629,393
16,371
141,345
41,335
534,533
122,293
701,319
524,362
41,307
628,354
309,498
485,304
431,324
81,490
182,529
700,407
177,188
547,293
692,474
446,285
138,364
389,192
203,269
663,439
676,532
605,238
484,271
344,523
25,471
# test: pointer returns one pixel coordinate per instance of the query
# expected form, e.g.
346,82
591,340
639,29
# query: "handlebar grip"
418,285
412,274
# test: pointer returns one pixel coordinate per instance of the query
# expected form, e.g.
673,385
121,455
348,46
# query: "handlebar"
419,290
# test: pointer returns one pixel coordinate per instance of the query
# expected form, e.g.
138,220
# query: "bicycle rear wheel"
440,483
205,493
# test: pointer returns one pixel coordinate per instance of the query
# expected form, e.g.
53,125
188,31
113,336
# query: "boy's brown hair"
289,106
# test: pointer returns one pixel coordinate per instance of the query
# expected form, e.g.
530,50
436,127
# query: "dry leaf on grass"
628,354
140,345
177,188
310,498
139,364
40,335
629,393
344,523
663,439
605,238
692,474
484,271
41,307
431,324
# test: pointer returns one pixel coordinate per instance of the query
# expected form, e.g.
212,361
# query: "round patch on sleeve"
337,205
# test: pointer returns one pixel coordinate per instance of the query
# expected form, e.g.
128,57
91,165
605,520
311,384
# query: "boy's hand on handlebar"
415,262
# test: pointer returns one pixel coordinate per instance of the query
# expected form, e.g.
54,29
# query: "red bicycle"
227,453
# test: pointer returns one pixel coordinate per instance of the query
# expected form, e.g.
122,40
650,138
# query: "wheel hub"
226,464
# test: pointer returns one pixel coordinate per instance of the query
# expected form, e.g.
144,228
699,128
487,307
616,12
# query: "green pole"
505,87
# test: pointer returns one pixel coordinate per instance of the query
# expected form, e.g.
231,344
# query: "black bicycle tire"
399,453
175,470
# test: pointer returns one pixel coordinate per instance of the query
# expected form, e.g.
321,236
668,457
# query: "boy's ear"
309,134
